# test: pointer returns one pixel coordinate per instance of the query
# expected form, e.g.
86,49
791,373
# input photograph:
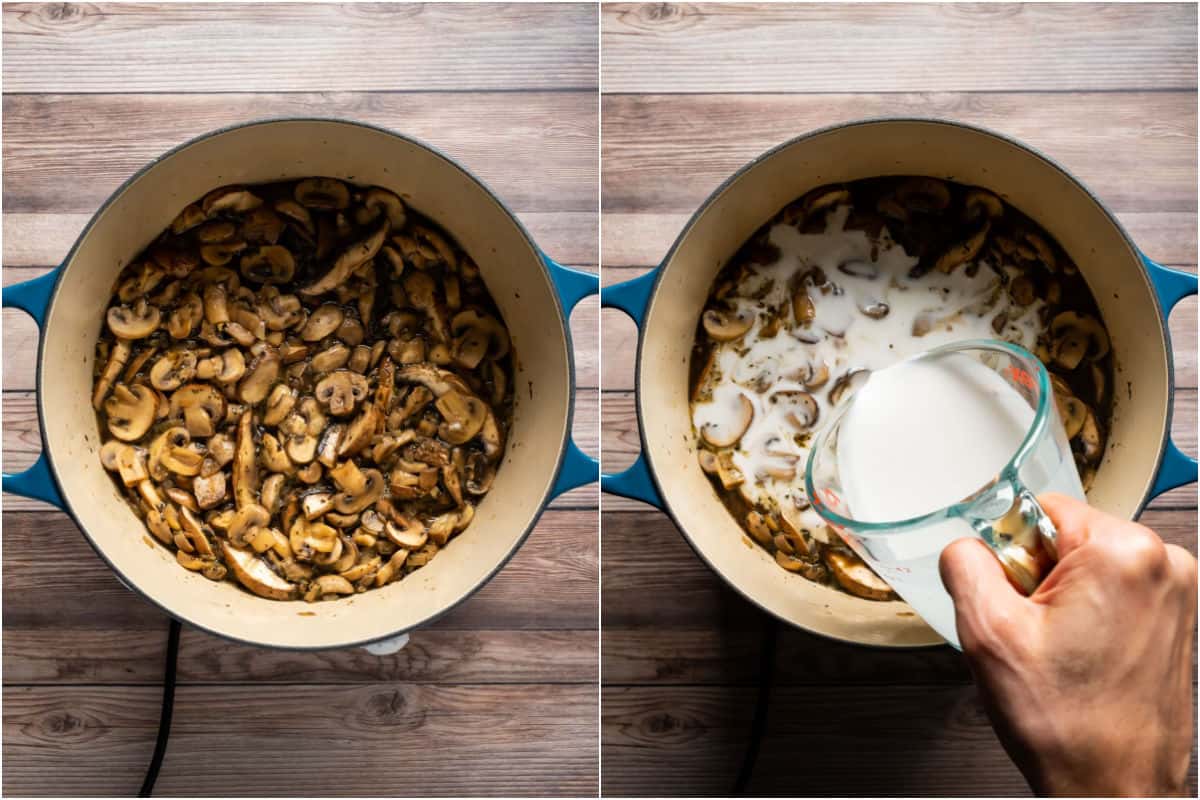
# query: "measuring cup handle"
1025,521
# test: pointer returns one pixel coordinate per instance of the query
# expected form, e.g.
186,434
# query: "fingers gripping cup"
952,443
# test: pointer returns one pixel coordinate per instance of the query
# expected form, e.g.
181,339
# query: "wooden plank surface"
692,93
294,47
302,740
95,91
930,47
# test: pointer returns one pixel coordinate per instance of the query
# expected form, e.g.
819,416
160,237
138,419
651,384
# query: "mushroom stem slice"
245,464
253,573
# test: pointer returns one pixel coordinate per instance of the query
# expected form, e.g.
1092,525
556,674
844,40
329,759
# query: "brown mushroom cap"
130,411
341,391
725,326
136,322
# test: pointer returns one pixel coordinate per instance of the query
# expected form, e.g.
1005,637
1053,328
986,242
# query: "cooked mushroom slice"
245,465
309,538
253,573
813,376
801,408
279,311
209,491
1077,336
825,197
803,310
350,501
130,411
724,326
491,436
246,523
982,203
226,367
1035,245
924,194
322,322
186,316
322,193
270,263
131,465
442,527
464,416
333,357
141,282
1022,291
756,524
298,214
221,253
201,406
262,225
856,577
217,231
191,216
1091,439
311,473
237,199
406,532
274,457
851,381
316,504
260,377
172,369
474,328
729,431
378,201
963,251
133,322
349,260
350,331
327,448
1073,412
391,570
221,449
708,461
341,391
302,428
279,404
117,358
359,432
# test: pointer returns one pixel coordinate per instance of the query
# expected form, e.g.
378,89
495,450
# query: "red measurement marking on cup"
1022,377
829,498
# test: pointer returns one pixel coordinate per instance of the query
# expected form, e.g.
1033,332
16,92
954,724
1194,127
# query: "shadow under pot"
1132,293
533,295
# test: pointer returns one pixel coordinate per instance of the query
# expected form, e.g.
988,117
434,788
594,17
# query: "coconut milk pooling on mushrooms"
767,392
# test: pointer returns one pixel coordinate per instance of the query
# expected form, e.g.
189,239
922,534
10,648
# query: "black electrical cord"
168,705
758,724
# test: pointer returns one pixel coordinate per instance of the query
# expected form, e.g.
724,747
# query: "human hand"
1088,681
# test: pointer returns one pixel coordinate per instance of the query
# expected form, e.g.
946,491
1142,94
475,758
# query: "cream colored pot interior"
1104,255
510,266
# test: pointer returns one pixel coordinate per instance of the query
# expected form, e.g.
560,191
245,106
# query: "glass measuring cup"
1002,513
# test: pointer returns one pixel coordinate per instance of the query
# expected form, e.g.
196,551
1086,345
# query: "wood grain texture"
550,584
536,150
666,153
361,740
293,47
704,47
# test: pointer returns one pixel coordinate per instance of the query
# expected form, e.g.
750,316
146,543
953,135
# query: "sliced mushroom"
200,405
341,391
245,465
186,316
801,408
209,491
856,577
982,203
221,253
280,402
133,322
333,357
316,504
130,411
382,201
117,358
322,322
964,251
924,194
406,532
824,197
1077,336
349,260
237,199
260,377
322,193
851,381
729,433
464,415
298,214
1091,439
254,573
474,325
352,502
226,367
359,432
172,369
270,263
724,326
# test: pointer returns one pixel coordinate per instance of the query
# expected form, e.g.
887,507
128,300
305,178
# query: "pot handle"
572,285
632,297
1171,285
33,297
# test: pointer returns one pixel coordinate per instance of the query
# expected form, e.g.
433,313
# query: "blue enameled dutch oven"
534,296
1134,294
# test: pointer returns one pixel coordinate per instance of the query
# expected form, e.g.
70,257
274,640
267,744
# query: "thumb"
978,585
